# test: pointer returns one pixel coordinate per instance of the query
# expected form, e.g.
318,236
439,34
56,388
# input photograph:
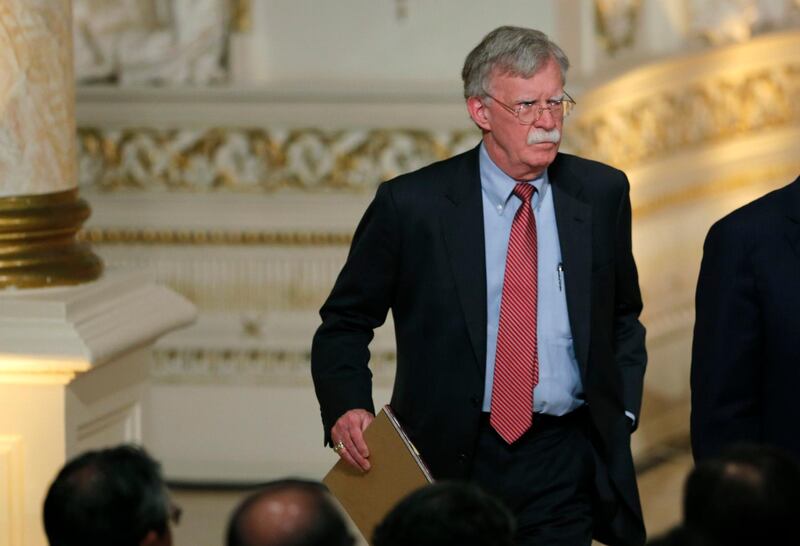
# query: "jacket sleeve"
358,303
726,348
629,333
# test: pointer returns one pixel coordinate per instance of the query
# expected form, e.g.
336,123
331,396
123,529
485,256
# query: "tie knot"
524,191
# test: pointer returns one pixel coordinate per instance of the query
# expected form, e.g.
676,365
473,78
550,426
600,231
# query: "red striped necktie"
516,365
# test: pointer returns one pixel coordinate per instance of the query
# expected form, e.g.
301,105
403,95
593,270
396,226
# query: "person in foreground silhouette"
113,496
288,512
747,495
446,513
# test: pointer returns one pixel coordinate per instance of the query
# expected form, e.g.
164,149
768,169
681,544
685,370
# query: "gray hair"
512,50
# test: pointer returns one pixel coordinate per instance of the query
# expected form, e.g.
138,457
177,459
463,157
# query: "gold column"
40,211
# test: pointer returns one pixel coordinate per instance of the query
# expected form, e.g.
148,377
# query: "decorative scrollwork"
257,160
708,111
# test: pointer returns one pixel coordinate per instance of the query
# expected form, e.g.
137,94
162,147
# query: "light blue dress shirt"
559,390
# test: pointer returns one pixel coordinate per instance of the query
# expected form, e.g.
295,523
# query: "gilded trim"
147,236
232,365
241,15
37,241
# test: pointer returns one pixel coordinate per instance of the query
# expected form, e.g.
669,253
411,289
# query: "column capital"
49,335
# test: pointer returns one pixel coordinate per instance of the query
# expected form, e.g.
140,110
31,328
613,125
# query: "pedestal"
74,364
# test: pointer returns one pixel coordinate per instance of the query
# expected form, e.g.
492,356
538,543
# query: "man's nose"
547,119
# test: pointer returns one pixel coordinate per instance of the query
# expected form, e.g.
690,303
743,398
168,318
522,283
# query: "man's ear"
154,539
479,113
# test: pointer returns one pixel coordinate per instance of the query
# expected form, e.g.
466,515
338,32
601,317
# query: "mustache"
537,136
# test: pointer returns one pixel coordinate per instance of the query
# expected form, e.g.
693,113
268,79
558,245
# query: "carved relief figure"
616,22
150,41
726,21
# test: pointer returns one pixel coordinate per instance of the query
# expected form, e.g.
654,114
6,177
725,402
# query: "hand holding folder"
397,470
349,430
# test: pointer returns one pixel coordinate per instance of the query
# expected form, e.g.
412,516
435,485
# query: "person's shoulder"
756,223
589,169
434,176
582,164
599,183
755,216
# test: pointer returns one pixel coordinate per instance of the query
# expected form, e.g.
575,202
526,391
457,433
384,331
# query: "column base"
37,241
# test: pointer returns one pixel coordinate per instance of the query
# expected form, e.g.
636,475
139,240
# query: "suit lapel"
462,226
793,212
574,221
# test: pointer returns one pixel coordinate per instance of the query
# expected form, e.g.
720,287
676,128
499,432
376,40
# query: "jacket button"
475,401
462,457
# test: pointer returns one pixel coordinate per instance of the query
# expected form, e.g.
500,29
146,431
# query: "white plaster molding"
244,278
287,212
216,273
721,94
54,333
123,424
266,348
698,173
325,106
109,405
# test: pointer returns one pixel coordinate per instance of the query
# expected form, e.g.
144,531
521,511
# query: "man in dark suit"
515,297
746,350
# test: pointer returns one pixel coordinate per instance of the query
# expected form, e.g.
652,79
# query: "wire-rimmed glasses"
529,112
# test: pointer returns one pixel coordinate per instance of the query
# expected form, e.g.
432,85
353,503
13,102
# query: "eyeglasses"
528,112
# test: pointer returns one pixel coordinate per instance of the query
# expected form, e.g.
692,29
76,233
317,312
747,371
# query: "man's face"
507,140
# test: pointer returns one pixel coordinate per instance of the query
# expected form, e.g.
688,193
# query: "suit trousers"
545,478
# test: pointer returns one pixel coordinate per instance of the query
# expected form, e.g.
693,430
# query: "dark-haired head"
447,513
749,494
110,496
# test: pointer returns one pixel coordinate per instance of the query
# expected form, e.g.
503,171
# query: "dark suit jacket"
419,250
746,350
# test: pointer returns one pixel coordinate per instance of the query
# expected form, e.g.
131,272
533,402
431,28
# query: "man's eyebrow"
559,96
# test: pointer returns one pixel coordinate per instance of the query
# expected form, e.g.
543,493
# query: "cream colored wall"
408,44
366,42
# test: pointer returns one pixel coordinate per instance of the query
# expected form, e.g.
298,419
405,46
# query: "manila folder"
396,470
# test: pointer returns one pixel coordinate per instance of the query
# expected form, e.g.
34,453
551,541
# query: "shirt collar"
498,186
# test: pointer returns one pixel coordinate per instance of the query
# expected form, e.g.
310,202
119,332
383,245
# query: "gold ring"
339,447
